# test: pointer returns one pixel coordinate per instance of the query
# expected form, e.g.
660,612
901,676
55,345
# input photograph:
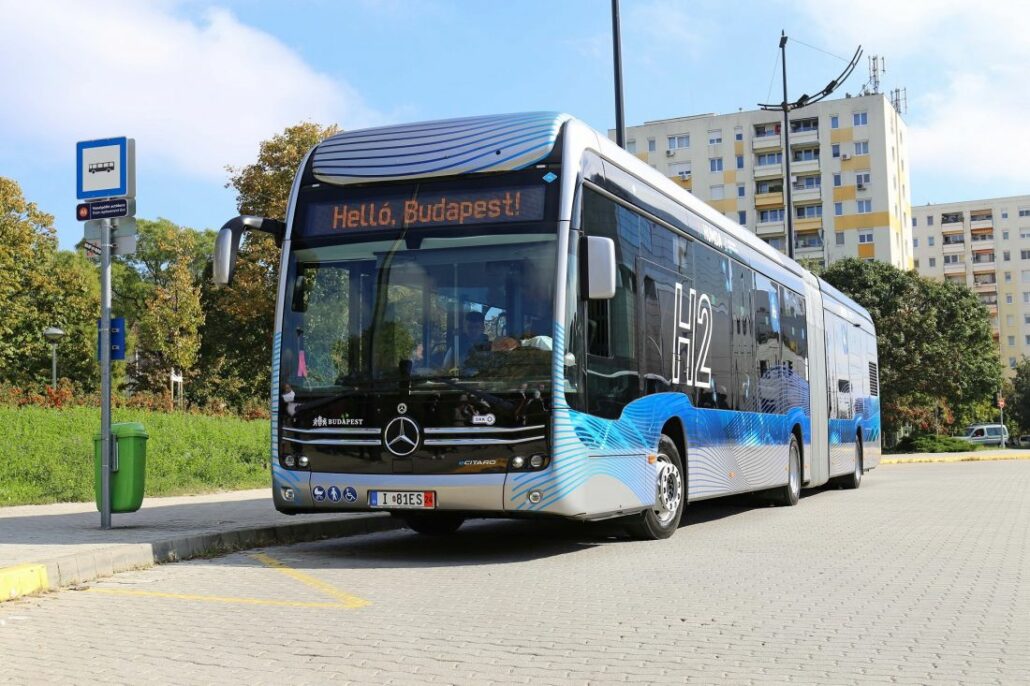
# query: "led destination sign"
437,208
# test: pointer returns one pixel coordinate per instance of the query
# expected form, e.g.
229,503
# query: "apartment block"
849,179
984,244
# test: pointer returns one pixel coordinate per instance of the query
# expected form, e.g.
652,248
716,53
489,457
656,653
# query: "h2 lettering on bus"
692,336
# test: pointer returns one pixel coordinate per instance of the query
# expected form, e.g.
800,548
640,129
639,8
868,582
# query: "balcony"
769,228
766,142
803,166
804,137
954,267
807,224
805,193
767,200
953,218
985,286
810,242
768,171
953,247
982,241
983,265
981,223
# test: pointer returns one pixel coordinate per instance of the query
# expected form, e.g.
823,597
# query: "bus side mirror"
600,267
227,243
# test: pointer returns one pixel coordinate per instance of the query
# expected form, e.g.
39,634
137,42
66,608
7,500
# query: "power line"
842,59
772,76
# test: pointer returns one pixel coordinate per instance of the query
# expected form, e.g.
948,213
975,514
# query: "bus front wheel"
662,520
435,524
789,493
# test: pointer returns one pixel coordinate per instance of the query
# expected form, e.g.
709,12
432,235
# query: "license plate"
403,500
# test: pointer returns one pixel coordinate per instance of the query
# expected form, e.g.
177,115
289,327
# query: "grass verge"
46,455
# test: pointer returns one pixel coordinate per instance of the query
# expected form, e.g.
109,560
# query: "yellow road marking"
22,580
346,599
210,598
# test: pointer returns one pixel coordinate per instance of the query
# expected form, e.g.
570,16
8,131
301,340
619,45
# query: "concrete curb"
77,568
952,458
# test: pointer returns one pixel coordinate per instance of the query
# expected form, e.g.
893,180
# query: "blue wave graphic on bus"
728,450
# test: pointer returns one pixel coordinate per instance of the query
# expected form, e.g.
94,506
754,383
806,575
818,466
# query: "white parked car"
987,434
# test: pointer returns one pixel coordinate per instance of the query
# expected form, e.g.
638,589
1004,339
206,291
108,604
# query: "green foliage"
930,443
41,287
48,453
938,360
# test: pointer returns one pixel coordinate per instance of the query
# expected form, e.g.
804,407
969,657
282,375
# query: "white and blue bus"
511,316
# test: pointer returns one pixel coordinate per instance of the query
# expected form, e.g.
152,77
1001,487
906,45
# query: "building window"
1024,211
770,215
1005,255
840,237
865,236
1004,214
651,145
715,164
836,180
1024,233
951,259
1004,235
865,206
834,121
717,192
806,155
740,192
1008,299
929,220
1024,254
862,179
933,262
631,146
914,222
740,161
809,211
679,142
930,241
1008,275
764,159
741,217
861,147
1012,362
915,242
860,118
715,137
738,133
1012,340
1026,297
915,264
838,209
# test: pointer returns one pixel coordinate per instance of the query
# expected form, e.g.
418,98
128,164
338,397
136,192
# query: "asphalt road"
922,575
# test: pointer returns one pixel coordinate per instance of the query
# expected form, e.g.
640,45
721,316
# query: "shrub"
929,443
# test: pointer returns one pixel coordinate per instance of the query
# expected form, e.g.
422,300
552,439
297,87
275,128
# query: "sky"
199,84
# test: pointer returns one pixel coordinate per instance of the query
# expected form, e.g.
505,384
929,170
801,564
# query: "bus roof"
502,142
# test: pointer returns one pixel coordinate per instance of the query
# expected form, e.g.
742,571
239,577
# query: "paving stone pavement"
921,576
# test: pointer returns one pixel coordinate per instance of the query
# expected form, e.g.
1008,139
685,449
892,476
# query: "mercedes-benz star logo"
401,436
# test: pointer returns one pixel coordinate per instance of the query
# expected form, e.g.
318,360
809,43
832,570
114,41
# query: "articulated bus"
511,316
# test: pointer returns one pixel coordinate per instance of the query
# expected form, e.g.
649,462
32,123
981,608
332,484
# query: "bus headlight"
536,461
302,461
518,462
289,461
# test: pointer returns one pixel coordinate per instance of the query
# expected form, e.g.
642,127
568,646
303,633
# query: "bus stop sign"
105,168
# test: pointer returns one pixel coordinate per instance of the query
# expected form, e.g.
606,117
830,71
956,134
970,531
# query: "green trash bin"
128,464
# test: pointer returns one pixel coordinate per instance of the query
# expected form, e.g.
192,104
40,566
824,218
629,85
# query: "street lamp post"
53,335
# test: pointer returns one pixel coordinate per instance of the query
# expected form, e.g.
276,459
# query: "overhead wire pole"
786,149
787,107
620,121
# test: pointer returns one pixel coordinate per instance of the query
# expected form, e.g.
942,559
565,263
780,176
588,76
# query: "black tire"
662,520
788,494
854,479
434,524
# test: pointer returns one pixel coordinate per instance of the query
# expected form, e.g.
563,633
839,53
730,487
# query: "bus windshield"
452,308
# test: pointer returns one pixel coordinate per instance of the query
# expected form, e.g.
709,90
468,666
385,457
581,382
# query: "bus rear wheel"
662,520
433,524
854,479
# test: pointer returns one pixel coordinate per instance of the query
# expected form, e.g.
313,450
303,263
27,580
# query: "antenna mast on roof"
899,100
877,65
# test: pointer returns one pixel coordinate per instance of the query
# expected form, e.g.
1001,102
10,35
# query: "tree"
41,287
938,359
1018,398
237,334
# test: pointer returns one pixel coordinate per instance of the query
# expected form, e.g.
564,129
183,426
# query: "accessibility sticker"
334,494
319,493
350,495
